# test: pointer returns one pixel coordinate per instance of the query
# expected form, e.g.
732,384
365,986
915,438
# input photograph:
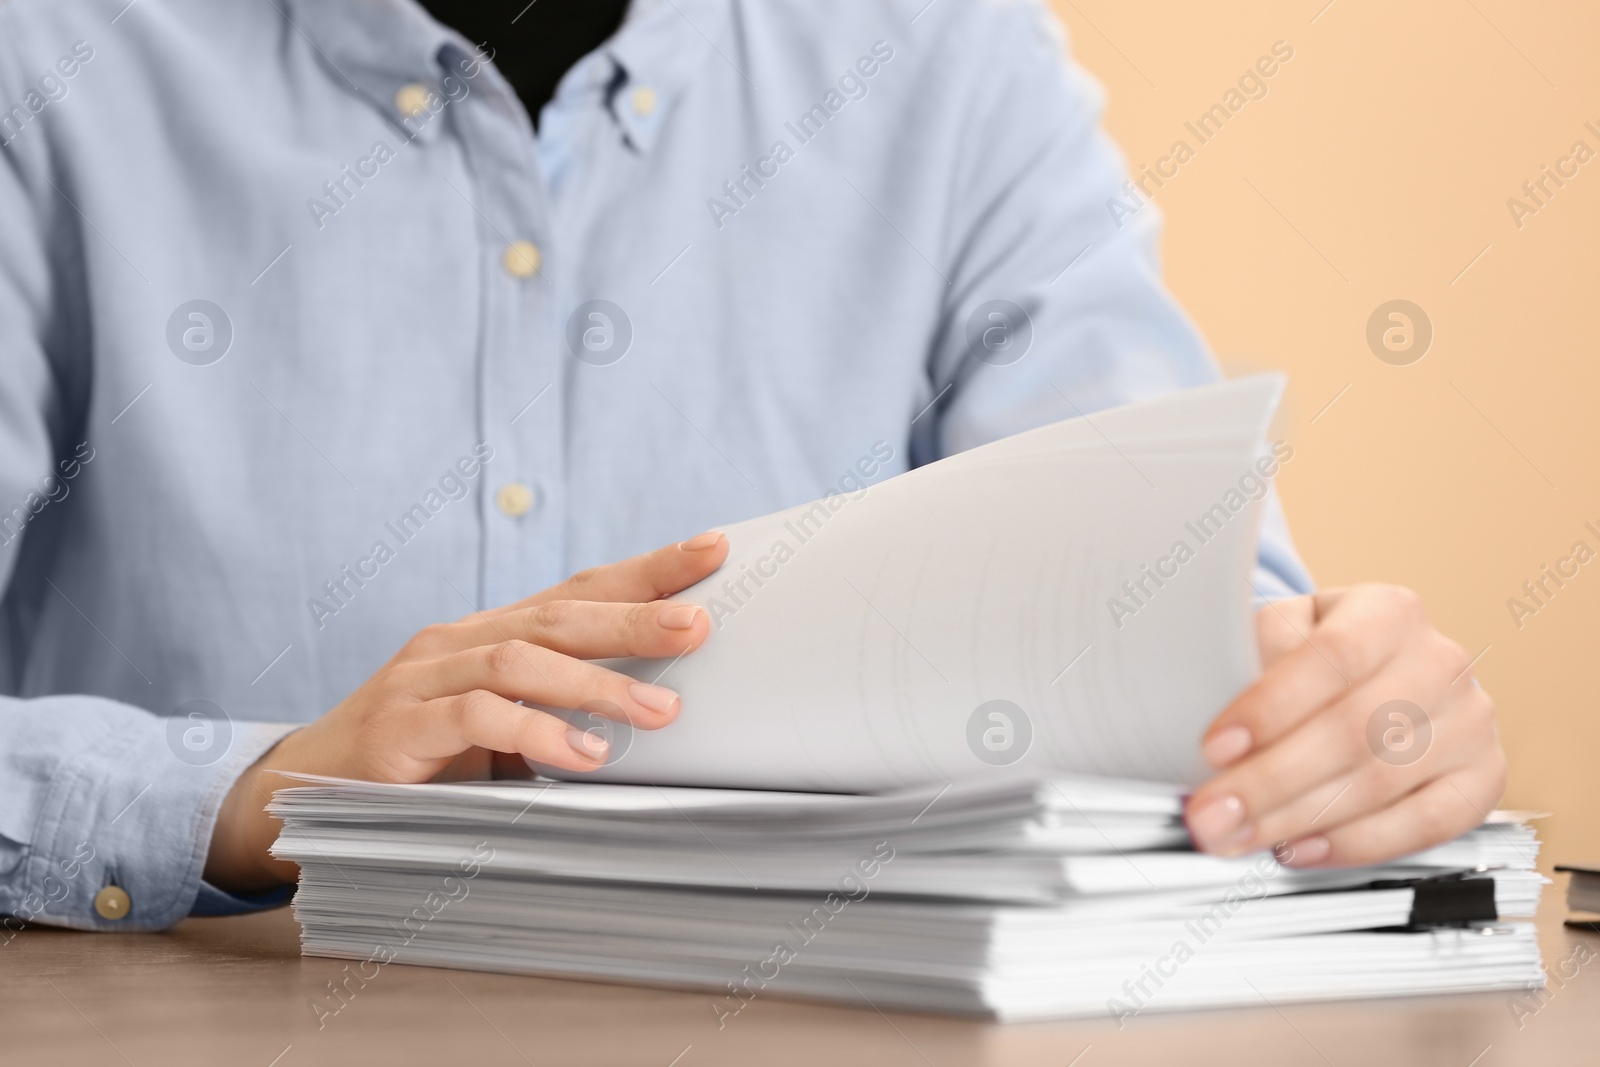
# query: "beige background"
1378,166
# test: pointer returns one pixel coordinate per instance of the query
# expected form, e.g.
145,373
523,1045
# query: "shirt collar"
379,47
654,53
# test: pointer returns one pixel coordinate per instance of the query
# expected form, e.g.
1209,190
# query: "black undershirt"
546,39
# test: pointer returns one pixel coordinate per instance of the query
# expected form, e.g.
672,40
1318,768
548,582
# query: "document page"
1071,600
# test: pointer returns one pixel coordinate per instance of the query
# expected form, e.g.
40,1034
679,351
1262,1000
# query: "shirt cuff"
135,813
1268,585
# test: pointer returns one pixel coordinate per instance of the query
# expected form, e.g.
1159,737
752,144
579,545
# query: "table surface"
236,991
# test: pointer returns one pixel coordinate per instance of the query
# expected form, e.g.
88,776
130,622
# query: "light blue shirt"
307,341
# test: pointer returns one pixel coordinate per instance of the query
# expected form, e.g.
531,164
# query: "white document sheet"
1074,599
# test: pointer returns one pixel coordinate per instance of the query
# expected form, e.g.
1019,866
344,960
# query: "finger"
646,577
1457,733
440,729
1234,812
517,670
1281,627
579,628
1226,815
1443,809
1363,630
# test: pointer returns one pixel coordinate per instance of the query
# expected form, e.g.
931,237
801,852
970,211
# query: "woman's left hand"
1366,737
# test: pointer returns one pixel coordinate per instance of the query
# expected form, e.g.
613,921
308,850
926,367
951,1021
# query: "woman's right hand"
446,706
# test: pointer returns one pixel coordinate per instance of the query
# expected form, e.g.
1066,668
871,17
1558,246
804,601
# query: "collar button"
412,100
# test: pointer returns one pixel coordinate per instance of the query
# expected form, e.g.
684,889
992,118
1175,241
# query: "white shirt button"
644,101
521,259
514,499
412,100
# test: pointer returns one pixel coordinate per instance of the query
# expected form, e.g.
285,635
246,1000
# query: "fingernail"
700,542
679,617
1305,853
654,697
1227,746
587,743
1241,842
1216,821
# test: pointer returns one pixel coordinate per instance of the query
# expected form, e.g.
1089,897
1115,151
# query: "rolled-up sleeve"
1046,222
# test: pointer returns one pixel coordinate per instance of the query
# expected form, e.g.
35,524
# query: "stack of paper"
931,670
1008,899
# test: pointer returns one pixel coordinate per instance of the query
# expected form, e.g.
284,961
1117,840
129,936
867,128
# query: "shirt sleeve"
1045,224
93,792
93,796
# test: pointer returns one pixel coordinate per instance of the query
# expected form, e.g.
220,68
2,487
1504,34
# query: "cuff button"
112,902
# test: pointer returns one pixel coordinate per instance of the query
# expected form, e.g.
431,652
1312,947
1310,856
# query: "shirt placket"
522,398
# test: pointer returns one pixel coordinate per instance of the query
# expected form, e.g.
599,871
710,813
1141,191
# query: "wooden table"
236,991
